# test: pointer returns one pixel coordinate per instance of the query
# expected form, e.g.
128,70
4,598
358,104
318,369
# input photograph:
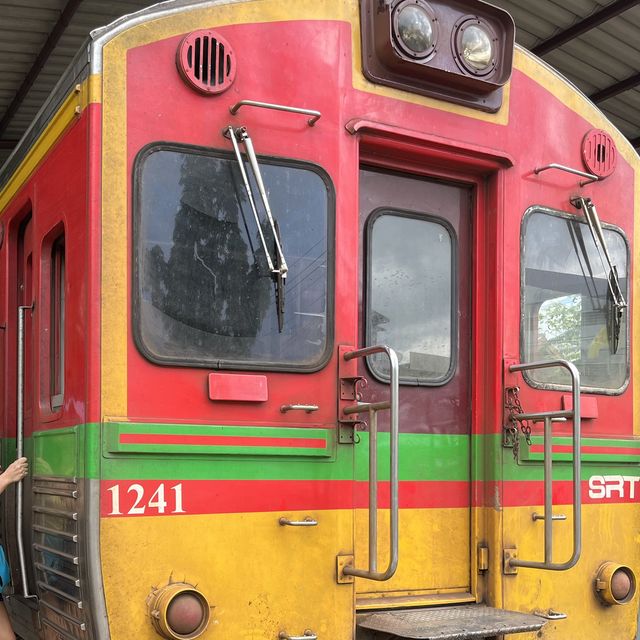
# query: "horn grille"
599,153
206,62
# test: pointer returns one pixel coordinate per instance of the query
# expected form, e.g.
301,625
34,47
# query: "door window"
410,293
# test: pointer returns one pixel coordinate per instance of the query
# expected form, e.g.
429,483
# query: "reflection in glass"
204,290
410,296
565,301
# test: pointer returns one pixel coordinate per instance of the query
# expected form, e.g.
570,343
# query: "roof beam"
48,47
616,88
588,23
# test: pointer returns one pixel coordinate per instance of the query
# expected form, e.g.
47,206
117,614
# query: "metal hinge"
483,558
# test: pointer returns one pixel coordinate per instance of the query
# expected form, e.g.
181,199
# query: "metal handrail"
372,408
20,451
548,517
554,165
315,115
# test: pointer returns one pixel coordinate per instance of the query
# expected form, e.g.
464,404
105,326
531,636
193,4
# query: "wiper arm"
593,220
229,133
278,264
614,316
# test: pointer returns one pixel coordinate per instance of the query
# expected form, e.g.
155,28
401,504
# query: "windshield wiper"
616,303
277,264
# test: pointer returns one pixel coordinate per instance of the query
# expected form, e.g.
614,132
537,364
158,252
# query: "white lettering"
140,504
609,487
632,480
596,487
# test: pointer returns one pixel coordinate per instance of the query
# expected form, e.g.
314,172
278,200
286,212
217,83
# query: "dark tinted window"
410,296
204,291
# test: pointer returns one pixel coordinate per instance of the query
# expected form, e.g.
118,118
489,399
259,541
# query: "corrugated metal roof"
600,58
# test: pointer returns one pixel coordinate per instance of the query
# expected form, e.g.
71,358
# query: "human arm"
15,472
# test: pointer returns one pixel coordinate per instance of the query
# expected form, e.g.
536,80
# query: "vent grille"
206,62
57,557
599,153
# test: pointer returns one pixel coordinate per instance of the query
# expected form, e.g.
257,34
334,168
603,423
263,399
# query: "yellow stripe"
68,113
260,577
114,297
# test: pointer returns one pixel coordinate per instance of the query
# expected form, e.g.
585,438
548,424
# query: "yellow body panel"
259,577
435,546
610,534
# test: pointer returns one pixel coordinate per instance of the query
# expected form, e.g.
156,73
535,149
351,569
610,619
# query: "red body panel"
179,114
58,192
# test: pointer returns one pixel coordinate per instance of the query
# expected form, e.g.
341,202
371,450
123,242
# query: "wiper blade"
616,303
277,264
614,314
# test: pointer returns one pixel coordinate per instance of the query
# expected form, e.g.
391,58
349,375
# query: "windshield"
567,301
204,292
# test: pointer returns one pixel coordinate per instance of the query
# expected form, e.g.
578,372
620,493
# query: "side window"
53,308
567,302
410,297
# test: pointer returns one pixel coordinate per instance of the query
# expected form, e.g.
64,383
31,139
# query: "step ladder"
445,623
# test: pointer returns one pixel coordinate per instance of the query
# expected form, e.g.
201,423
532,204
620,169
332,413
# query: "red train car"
316,322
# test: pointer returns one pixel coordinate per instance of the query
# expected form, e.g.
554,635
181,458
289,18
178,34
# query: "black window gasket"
216,363
562,387
375,215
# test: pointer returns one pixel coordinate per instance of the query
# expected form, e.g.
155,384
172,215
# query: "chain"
514,408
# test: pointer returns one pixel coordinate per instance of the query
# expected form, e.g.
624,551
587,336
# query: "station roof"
594,43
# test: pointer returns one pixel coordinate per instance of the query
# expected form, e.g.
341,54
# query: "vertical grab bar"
372,408
548,517
20,450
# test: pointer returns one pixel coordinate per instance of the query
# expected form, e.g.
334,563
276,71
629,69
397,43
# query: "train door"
415,297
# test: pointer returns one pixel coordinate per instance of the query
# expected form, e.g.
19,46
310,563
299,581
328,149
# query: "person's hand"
16,471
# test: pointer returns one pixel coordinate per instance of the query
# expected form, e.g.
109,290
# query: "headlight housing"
460,52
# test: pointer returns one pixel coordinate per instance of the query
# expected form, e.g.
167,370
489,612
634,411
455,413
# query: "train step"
445,623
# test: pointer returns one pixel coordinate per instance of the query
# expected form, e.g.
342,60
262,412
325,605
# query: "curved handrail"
372,408
548,417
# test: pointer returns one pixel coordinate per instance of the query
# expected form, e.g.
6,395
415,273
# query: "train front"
366,314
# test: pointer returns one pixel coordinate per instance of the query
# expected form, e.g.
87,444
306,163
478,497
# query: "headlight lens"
414,28
476,46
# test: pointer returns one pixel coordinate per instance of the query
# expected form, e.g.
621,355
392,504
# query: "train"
317,321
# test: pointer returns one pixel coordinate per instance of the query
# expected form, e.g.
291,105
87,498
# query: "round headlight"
475,46
615,583
414,29
178,611
477,50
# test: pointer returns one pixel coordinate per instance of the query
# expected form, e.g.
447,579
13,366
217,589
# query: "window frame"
375,215
57,303
627,342
217,363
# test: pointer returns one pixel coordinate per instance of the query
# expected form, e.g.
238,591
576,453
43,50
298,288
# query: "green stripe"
113,431
618,457
422,457
79,451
